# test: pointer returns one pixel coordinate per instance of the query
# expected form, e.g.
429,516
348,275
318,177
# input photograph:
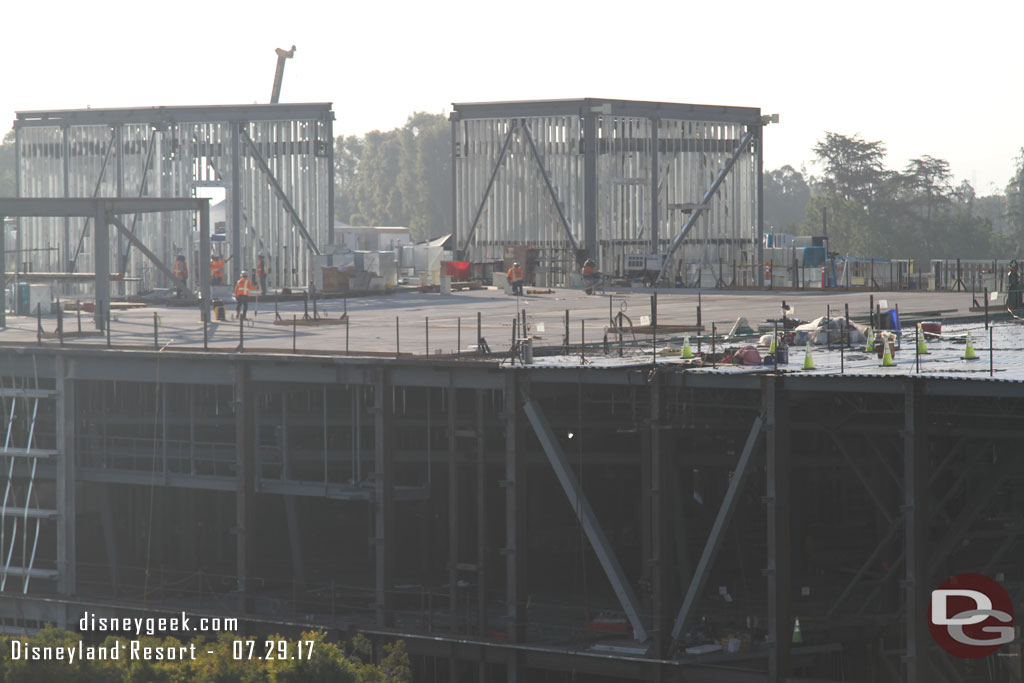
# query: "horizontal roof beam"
585,106
84,206
168,115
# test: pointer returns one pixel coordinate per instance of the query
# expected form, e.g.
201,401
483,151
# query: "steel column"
777,497
101,259
66,500
655,214
235,196
915,502
329,123
244,405
64,154
383,503
663,580
3,270
591,526
515,526
204,259
454,123
759,141
453,509
481,516
590,187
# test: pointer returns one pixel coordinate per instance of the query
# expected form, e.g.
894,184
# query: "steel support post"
590,188
515,525
453,509
915,537
65,153
759,141
329,124
663,580
591,526
655,122
481,516
454,122
235,195
383,503
244,480
66,501
204,260
777,497
3,270
101,259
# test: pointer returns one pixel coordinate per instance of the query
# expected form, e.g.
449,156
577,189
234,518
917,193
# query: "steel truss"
607,178
274,162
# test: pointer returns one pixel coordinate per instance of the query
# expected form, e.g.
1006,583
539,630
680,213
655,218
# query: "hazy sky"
938,78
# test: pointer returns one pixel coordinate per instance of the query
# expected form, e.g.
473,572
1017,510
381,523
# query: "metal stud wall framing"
170,152
642,198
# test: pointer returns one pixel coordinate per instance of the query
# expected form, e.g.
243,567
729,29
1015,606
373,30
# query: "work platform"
584,517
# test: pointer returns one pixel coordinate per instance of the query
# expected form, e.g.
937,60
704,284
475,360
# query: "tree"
347,152
786,194
852,166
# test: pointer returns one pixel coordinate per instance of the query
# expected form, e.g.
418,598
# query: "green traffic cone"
869,344
798,636
887,356
808,360
686,352
922,347
969,351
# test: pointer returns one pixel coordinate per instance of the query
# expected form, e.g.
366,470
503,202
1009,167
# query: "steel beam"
777,499
577,107
383,503
915,537
453,508
204,260
591,526
718,529
660,501
551,190
3,269
487,190
87,206
481,516
278,190
173,115
705,200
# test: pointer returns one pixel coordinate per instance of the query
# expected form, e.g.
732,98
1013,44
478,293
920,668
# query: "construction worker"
1013,286
591,276
262,274
180,270
217,264
243,290
515,277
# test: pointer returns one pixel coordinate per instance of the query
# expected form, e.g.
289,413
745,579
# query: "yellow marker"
686,352
869,344
969,351
922,347
886,357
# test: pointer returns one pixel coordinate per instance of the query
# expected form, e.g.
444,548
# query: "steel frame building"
609,178
274,162
485,514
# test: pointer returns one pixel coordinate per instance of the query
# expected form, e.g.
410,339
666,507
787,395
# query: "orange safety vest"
515,274
589,271
217,267
259,269
179,269
243,288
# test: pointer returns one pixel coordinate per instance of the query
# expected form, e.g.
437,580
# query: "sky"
937,78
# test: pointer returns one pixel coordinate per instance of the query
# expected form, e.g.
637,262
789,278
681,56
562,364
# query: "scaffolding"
607,178
273,162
